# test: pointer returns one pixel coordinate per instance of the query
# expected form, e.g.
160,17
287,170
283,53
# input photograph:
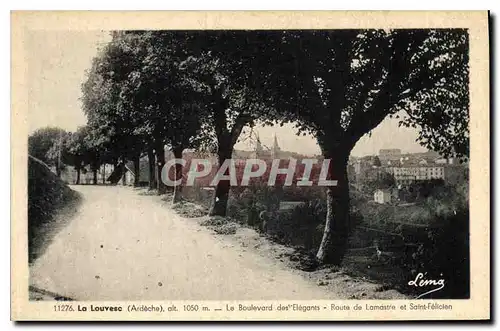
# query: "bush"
221,225
444,253
229,228
215,221
189,209
302,226
246,206
431,237
198,195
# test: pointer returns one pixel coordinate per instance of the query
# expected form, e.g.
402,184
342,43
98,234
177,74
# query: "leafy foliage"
201,88
44,142
340,84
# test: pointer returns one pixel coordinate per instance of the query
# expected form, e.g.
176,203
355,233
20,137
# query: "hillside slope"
48,198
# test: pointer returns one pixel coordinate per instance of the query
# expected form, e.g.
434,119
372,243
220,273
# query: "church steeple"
276,148
258,147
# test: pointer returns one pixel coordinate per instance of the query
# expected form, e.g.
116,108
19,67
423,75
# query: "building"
276,150
389,157
394,157
260,152
382,196
364,164
441,160
423,172
130,174
69,174
351,173
263,152
359,167
450,161
366,172
389,153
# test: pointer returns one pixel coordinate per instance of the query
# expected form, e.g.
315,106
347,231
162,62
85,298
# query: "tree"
219,76
339,85
137,100
382,180
112,136
94,153
77,150
169,113
45,144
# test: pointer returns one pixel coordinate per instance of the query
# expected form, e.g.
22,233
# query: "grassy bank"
49,200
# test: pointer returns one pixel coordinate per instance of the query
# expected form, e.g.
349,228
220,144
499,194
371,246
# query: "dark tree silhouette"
77,150
218,75
159,98
113,133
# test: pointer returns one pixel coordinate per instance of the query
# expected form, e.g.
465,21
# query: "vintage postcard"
250,166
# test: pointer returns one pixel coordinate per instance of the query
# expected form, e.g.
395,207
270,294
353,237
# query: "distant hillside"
47,195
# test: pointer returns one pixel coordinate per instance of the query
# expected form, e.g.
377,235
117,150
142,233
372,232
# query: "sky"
57,68
56,71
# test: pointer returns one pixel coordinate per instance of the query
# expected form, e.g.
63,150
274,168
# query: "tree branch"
240,122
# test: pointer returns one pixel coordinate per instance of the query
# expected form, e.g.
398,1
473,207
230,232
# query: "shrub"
228,228
302,226
221,225
444,253
215,221
431,237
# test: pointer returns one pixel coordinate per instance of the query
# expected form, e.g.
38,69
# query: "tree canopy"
44,141
192,89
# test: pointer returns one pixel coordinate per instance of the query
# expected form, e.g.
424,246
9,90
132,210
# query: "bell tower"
275,152
258,148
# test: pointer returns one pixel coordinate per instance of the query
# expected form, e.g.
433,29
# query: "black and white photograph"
264,170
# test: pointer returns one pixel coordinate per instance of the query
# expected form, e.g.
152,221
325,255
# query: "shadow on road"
39,294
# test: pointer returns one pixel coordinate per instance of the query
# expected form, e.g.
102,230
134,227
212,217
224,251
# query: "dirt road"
124,246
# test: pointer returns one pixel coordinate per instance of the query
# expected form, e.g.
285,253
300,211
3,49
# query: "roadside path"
126,246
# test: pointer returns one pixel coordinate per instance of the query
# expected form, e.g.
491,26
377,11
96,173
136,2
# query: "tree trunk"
104,173
337,226
178,175
94,173
77,176
137,170
151,168
160,162
221,195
